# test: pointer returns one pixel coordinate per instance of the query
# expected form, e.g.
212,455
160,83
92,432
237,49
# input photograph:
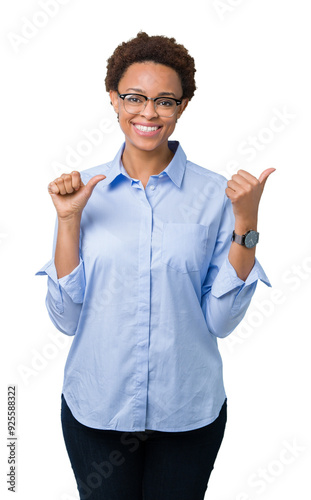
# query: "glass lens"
134,103
165,106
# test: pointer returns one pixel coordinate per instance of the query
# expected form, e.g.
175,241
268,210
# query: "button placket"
143,318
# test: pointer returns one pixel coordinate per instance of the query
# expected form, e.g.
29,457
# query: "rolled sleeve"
227,278
73,283
229,298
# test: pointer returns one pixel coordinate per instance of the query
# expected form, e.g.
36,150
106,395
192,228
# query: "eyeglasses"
136,103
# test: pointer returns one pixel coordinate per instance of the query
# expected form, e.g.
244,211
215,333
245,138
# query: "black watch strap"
238,238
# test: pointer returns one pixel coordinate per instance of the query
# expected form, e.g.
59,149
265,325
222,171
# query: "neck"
141,164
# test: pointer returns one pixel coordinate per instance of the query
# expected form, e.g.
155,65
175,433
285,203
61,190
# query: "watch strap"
238,238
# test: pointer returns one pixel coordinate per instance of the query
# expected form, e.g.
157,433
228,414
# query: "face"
151,80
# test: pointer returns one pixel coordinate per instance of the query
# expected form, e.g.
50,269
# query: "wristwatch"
248,240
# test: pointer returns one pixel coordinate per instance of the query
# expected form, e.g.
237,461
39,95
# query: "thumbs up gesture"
70,195
244,190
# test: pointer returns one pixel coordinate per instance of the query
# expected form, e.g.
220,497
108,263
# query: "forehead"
150,77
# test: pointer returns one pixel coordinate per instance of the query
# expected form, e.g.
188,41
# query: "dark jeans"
147,465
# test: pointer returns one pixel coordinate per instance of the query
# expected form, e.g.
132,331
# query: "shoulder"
204,175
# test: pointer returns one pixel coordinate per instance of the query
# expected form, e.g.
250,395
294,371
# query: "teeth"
146,129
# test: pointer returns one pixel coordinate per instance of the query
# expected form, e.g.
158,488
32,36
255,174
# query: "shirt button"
152,187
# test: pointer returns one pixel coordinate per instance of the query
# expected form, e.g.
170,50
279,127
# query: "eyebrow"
140,91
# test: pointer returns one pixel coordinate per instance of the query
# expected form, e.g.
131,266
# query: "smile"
145,130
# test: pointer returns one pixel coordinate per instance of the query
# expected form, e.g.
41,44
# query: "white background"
253,61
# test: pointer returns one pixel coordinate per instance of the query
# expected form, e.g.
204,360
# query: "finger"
229,192
94,180
232,195
264,175
245,183
60,184
53,188
76,180
68,183
235,186
248,177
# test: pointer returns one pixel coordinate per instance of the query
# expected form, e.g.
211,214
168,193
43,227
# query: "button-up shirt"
152,293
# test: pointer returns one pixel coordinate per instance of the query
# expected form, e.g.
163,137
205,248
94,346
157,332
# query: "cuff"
73,283
227,278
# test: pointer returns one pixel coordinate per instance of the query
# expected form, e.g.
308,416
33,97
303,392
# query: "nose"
149,111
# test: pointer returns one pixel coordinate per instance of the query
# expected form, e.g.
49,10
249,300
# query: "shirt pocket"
184,246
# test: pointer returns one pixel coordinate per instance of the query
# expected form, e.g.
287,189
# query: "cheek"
171,126
124,120
125,117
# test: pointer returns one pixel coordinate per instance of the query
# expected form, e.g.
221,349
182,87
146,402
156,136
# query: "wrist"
242,226
70,220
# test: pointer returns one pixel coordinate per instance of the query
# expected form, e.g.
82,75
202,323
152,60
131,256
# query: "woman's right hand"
70,195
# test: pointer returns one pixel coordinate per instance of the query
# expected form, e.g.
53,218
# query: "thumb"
264,176
93,181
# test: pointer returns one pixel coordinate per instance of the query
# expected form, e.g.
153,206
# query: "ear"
184,104
114,100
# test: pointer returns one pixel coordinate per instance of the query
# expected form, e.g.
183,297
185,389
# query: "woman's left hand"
245,191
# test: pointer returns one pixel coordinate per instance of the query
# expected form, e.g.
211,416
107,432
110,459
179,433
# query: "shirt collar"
175,169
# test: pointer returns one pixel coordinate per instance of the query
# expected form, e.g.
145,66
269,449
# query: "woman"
146,274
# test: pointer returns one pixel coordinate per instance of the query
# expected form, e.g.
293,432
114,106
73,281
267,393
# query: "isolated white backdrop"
253,63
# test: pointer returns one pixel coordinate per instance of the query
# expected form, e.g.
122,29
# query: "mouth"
146,130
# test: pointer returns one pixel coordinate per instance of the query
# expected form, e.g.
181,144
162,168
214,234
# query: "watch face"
251,239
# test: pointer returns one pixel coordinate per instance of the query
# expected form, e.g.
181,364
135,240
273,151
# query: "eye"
166,103
134,99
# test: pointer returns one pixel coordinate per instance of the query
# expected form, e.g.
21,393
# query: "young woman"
146,274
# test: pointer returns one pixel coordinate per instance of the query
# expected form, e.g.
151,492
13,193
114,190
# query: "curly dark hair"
159,49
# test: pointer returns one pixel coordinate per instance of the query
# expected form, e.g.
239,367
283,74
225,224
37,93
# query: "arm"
240,257
66,279
225,297
65,295
67,247
245,191
234,271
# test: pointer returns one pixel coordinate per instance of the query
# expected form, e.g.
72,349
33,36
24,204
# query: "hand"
245,191
70,195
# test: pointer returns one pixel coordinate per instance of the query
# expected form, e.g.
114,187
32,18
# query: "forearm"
240,257
66,256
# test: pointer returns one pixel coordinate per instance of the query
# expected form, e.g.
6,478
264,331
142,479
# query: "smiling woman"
150,267
146,122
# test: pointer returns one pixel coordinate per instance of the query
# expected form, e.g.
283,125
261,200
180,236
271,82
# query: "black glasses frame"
154,99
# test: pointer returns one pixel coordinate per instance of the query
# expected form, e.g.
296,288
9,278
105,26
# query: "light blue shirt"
153,291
